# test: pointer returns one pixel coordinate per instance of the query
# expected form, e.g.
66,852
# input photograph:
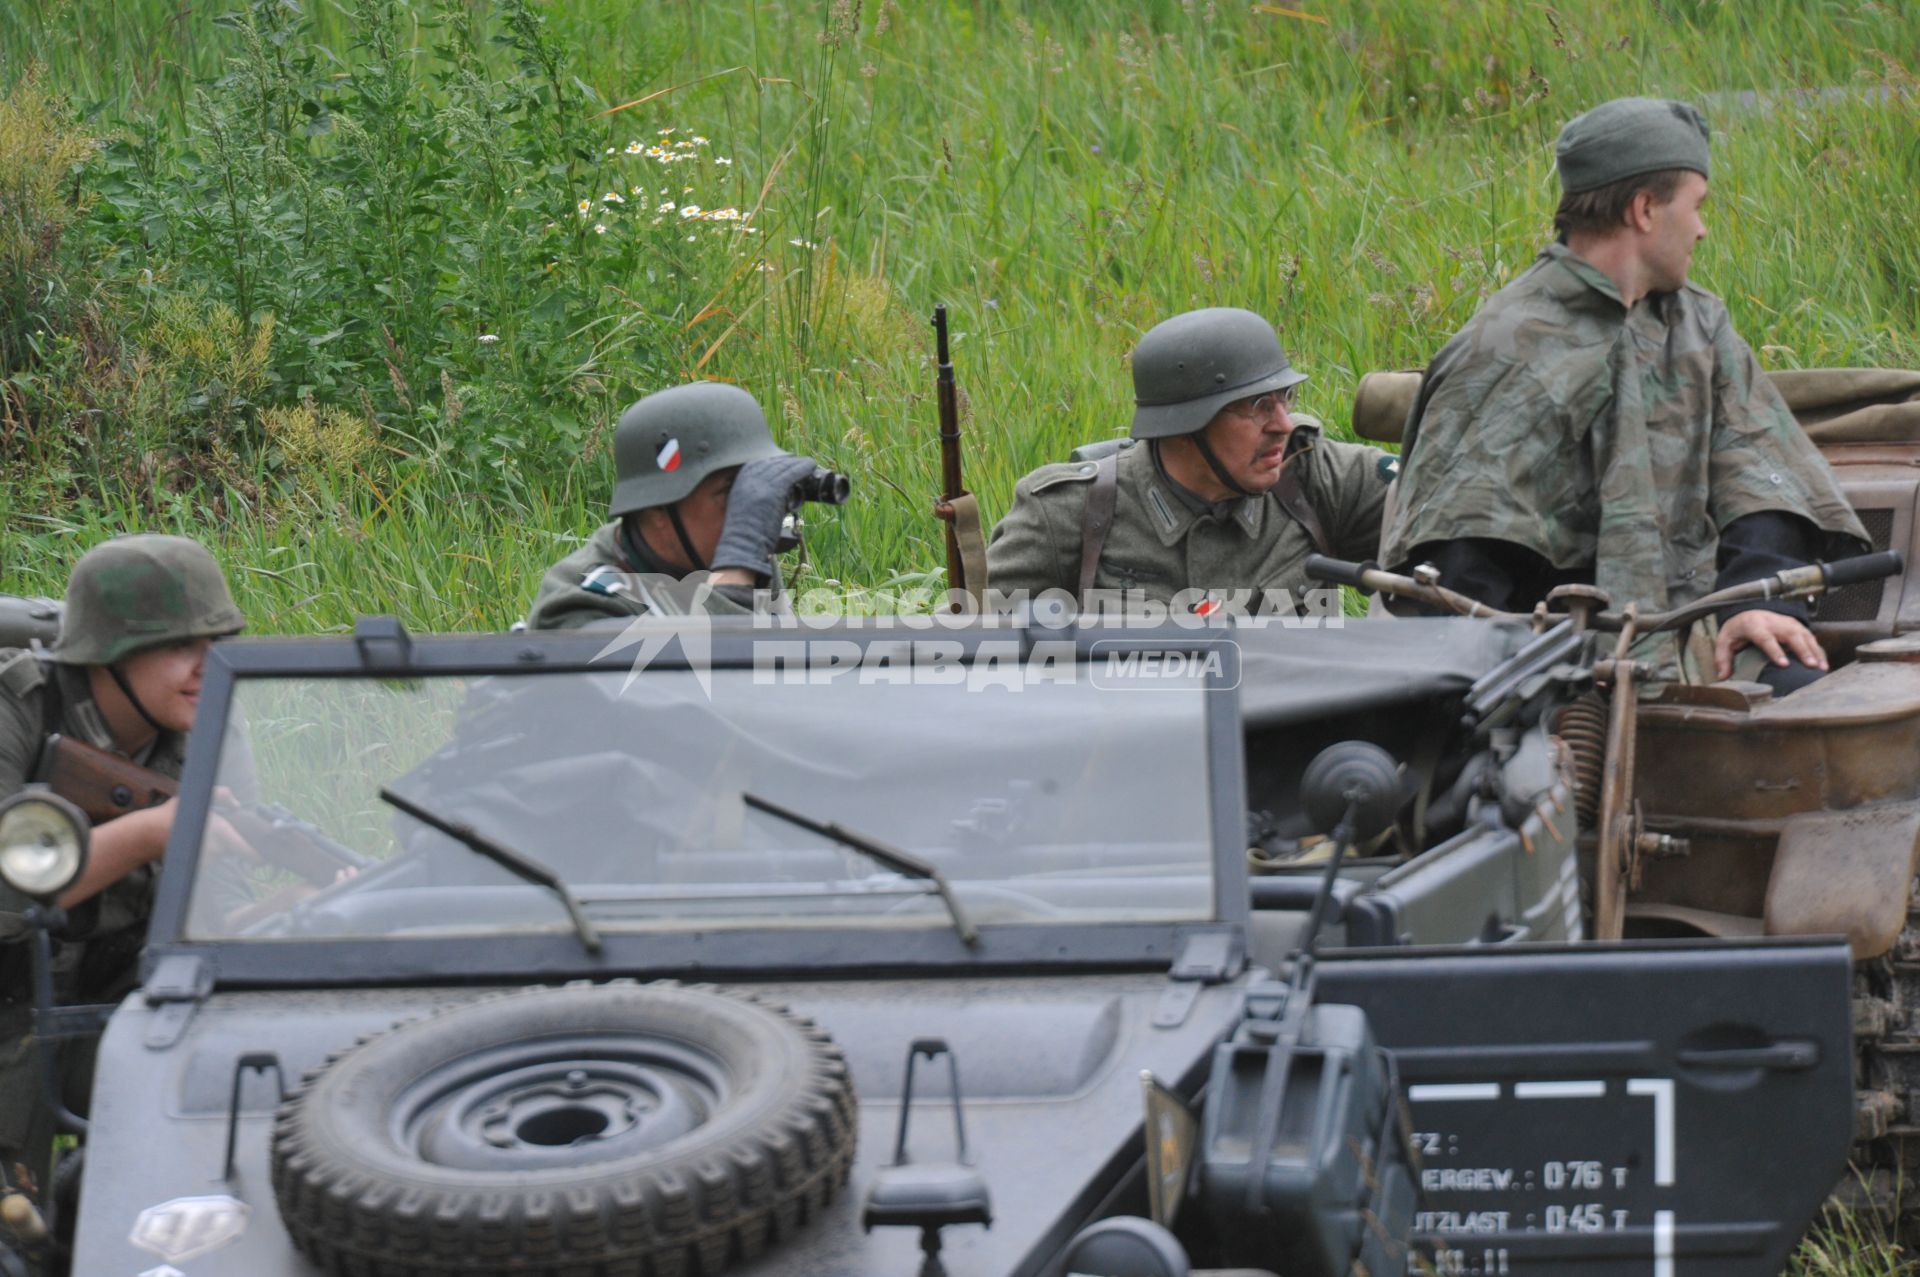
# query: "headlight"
43,843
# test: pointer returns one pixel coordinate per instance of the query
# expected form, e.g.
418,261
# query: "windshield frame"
387,653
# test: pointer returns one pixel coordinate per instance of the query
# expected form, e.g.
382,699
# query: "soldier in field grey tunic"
700,492
1222,494
123,676
1599,420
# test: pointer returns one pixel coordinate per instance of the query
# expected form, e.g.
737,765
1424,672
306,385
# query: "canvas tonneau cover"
1295,674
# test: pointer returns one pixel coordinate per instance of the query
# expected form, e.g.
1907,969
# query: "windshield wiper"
522,866
892,857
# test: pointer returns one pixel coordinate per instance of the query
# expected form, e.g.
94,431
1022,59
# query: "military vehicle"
1802,816
908,947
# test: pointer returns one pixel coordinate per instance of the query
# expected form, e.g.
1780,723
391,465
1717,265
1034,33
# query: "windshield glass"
1059,803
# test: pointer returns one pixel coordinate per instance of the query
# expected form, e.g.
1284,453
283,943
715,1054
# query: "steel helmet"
1188,368
668,442
138,592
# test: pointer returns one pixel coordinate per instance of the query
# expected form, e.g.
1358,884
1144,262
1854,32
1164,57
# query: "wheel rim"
558,1102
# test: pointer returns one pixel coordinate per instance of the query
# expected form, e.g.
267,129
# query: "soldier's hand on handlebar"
1773,633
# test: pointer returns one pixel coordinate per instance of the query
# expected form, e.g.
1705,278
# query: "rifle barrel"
950,483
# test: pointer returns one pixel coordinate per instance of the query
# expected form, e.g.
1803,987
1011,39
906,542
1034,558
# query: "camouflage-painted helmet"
668,442
138,592
1188,368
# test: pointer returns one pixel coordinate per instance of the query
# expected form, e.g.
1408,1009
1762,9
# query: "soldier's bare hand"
223,839
1775,635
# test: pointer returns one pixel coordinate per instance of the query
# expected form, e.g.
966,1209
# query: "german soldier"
123,675
1600,421
1223,491
700,494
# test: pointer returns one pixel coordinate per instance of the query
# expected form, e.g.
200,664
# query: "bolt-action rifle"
966,549
105,786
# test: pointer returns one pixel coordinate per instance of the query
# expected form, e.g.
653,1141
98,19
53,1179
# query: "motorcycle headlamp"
43,843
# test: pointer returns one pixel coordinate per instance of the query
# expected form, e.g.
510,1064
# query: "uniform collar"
1657,305
1173,517
82,717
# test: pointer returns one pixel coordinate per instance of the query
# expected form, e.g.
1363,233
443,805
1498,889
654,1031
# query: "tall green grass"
1062,175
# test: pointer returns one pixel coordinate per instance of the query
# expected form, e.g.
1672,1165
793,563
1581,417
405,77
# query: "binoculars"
822,486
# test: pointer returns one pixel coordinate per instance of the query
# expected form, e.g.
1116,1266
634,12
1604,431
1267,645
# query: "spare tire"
620,1128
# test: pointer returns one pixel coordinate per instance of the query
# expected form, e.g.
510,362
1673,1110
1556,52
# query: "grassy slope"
1063,176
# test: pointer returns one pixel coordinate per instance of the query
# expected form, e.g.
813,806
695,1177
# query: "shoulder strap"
1097,520
1292,497
26,673
973,546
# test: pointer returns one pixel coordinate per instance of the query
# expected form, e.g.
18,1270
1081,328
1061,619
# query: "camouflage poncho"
1594,435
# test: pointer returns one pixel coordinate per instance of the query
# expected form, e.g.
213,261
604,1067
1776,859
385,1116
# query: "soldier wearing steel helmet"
700,493
123,674
1223,490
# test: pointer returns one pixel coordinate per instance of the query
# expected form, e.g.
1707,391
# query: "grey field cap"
668,442
1188,368
1630,137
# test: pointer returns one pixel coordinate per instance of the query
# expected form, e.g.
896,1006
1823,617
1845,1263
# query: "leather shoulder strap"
973,546
1097,520
1292,497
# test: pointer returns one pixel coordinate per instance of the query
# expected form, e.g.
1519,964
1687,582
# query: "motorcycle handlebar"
1340,572
1865,567
1804,582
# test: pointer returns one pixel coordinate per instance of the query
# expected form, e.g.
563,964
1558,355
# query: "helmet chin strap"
126,690
686,542
1199,438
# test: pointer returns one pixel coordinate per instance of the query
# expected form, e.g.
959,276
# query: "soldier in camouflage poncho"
1599,420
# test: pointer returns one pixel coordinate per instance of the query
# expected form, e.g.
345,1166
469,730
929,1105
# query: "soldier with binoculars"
701,498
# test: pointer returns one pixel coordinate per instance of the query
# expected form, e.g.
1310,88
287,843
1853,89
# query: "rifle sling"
973,546
1097,520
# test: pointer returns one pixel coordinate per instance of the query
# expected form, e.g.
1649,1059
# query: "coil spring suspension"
1582,728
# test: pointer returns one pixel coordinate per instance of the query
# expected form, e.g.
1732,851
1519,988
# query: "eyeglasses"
1271,404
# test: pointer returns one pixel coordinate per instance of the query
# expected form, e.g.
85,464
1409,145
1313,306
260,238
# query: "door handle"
1784,1057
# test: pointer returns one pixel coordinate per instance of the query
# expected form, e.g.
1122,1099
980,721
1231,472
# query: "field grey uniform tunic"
599,582
95,961
1165,540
